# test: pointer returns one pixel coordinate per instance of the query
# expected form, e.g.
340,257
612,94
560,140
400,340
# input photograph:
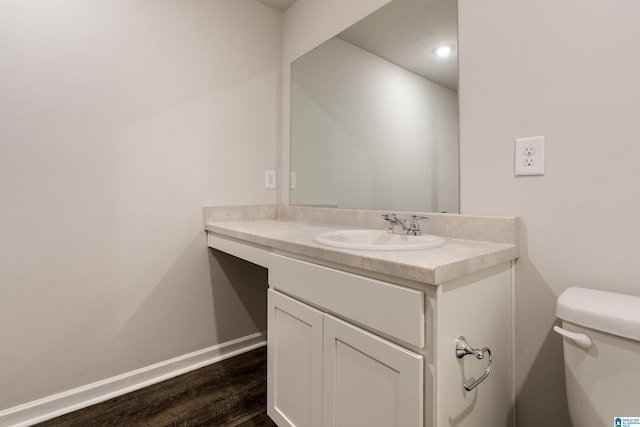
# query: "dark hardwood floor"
228,393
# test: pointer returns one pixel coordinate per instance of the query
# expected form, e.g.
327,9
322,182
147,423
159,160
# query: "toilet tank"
603,380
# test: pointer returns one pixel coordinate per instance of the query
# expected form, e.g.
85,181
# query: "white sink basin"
377,240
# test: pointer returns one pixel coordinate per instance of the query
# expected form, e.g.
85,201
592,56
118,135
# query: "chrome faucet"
395,223
408,226
414,225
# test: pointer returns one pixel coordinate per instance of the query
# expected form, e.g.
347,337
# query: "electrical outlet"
529,156
270,179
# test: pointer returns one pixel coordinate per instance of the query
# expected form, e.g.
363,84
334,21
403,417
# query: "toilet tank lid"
617,314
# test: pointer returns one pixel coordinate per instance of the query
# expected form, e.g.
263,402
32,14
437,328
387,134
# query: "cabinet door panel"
294,365
369,381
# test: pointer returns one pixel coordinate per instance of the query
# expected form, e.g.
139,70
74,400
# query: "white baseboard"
62,403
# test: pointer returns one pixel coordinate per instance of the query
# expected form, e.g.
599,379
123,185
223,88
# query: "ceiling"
406,33
280,5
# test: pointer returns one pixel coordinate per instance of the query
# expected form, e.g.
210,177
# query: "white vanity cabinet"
366,338
322,368
325,371
349,350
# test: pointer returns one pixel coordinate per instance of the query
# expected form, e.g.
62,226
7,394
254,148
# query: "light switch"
292,181
270,179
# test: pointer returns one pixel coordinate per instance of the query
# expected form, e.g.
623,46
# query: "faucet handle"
388,217
393,218
414,224
393,221
415,219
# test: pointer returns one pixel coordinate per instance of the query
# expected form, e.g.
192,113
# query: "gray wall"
119,122
307,24
567,70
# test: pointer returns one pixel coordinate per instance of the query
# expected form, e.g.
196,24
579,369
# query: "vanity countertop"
291,230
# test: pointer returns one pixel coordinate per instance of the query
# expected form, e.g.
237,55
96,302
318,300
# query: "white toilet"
601,354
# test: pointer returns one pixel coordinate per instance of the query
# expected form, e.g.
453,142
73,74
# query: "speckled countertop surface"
291,230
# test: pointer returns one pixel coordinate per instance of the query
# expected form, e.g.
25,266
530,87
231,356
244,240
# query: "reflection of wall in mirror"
368,134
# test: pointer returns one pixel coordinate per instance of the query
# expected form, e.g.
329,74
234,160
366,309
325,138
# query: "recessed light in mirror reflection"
444,51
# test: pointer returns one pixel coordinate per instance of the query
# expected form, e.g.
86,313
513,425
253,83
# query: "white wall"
566,70
307,24
119,122
368,134
569,71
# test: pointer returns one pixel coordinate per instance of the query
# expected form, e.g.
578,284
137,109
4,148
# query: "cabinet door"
369,381
294,362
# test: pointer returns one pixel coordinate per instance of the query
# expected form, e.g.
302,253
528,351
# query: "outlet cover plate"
529,156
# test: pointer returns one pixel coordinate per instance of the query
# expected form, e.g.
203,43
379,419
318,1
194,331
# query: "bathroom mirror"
374,113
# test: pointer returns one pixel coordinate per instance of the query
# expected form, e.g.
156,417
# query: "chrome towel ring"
463,349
